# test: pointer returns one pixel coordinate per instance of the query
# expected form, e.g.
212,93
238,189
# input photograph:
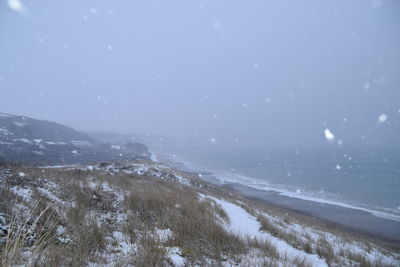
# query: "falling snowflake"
21,174
338,167
109,47
217,25
244,104
329,135
367,86
267,100
213,140
256,65
382,118
17,6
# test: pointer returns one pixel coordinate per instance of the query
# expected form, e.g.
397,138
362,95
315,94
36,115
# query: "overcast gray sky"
224,72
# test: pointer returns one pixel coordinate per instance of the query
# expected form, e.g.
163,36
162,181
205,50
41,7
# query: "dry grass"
152,204
324,249
163,205
265,246
27,232
150,253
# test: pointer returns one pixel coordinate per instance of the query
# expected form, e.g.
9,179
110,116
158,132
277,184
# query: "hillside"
146,214
41,142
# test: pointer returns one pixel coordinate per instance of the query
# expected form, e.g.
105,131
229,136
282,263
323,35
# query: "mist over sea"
367,179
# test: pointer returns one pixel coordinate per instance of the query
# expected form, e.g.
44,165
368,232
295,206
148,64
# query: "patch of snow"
2,219
106,187
92,185
81,143
24,193
245,225
19,124
5,143
60,230
23,140
174,253
163,234
50,195
123,242
75,152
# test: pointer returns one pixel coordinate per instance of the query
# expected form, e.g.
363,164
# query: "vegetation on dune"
109,215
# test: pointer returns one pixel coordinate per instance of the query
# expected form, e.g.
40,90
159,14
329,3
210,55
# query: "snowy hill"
144,213
28,140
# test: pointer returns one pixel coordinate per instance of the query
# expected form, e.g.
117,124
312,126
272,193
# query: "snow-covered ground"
245,225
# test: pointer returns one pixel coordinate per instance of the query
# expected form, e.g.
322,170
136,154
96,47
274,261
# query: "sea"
365,179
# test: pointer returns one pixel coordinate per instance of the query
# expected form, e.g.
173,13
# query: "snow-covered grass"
147,214
248,227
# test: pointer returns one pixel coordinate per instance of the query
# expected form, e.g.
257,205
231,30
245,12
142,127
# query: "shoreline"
353,220
350,219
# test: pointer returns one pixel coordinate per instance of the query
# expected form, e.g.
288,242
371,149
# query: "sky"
235,73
